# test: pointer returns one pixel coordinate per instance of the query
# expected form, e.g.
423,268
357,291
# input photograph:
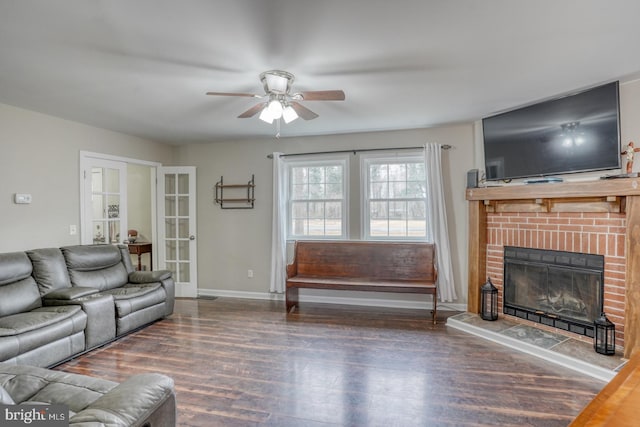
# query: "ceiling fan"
280,102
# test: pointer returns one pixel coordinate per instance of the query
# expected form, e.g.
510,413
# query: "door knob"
192,237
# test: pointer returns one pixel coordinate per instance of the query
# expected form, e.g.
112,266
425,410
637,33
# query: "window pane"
398,210
299,210
378,173
397,190
415,172
397,228
379,228
334,174
378,210
170,205
416,210
397,172
416,190
316,199
183,183
299,227
379,190
316,191
300,191
183,205
396,193
334,191
169,184
316,175
333,210
299,176
316,210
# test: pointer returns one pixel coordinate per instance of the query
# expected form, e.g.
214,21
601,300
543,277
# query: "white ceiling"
142,67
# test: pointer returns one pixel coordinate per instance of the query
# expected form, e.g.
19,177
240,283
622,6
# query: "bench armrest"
292,270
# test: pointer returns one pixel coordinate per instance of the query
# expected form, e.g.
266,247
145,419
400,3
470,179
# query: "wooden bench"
362,266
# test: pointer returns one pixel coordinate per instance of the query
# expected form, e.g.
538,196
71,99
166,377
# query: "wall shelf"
238,196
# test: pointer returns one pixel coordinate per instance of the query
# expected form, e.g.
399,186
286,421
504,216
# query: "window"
394,197
317,199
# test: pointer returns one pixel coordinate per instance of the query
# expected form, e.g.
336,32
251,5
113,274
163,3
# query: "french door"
177,227
105,202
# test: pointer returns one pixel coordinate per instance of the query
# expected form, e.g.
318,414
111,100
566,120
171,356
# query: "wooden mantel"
622,194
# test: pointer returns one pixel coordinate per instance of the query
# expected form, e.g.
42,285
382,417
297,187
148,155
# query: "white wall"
230,242
40,156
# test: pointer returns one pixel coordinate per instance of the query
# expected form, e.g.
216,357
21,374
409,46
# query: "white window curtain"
437,230
279,226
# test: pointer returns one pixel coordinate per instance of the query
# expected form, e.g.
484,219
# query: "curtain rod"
270,156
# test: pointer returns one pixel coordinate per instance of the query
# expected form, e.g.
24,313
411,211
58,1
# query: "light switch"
22,199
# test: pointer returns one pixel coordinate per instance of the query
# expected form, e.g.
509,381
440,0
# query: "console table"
139,249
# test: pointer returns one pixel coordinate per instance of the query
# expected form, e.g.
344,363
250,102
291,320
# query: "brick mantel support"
618,196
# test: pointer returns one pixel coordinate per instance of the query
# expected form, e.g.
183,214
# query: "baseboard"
392,303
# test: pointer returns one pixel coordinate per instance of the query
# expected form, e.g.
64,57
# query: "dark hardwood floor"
244,362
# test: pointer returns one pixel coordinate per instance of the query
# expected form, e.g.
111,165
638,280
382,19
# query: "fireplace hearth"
555,288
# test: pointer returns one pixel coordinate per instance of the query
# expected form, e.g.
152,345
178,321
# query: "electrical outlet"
73,230
250,274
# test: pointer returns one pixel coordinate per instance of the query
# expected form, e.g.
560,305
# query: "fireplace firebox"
555,288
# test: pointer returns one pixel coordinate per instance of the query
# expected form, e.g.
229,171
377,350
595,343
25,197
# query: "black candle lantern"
604,339
489,301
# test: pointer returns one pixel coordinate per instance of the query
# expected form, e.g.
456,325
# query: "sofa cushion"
132,298
18,289
49,269
28,383
14,266
21,323
96,266
5,399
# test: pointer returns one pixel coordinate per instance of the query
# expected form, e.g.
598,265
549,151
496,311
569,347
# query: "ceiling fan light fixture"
275,108
276,81
289,114
266,115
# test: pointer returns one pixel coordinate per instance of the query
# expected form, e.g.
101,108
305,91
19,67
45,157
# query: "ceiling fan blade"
303,112
253,111
323,95
250,95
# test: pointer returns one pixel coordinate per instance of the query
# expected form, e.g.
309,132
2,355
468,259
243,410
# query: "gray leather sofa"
142,400
57,303
31,333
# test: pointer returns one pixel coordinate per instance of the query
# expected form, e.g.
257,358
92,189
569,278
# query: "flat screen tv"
574,133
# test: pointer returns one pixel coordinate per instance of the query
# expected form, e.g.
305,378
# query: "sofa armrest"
149,276
100,310
70,293
144,399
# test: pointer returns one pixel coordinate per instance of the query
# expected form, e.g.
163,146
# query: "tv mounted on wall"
574,133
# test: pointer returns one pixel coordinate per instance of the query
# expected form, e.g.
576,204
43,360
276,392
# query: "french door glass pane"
183,228
112,180
170,184
106,203
183,205
169,205
183,183
170,228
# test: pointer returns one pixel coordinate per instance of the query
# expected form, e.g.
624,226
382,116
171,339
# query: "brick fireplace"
590,233
599,217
